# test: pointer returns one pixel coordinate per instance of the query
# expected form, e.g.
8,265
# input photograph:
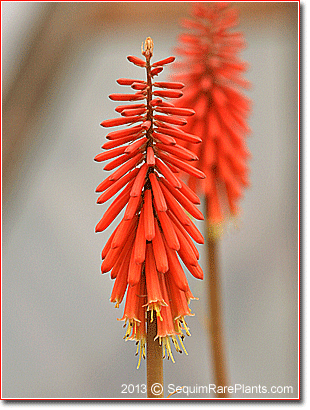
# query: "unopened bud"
148,47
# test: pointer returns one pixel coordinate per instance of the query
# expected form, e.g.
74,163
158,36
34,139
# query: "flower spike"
155,230
213,73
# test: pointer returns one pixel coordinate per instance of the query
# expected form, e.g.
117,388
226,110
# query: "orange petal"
125,228
135,269
140,242
159,198
149,226
189,206
150,158
152,282
126,167
114,209
174,206
137,61
175,269
123,133
120,121
117,185
167,60
136,145
103,156
173,85
189,169
168,230
167,173
139,181
121,141
132,207
168,93
159,251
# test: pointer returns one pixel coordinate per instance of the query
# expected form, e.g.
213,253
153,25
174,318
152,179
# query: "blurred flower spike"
213,73
155,231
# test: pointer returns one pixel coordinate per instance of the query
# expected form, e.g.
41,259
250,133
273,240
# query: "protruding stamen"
140,352
185,326
182,344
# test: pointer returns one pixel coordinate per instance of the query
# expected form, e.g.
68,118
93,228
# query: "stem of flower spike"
215,309
154,361
154,354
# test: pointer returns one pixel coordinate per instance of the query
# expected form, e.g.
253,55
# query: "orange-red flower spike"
213,72
142,250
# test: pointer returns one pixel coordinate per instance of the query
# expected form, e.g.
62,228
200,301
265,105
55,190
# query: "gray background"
61,338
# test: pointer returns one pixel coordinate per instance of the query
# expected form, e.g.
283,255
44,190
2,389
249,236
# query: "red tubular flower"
213,72
142,253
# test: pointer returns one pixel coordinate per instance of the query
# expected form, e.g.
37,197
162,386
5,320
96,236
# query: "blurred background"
60,336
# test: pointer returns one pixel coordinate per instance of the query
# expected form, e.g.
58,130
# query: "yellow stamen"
157,308
140,352
137,351
185,327
176,344
128,331
168,347
183,345
143,349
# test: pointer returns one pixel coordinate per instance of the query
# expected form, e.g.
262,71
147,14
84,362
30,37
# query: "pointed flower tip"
148,48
